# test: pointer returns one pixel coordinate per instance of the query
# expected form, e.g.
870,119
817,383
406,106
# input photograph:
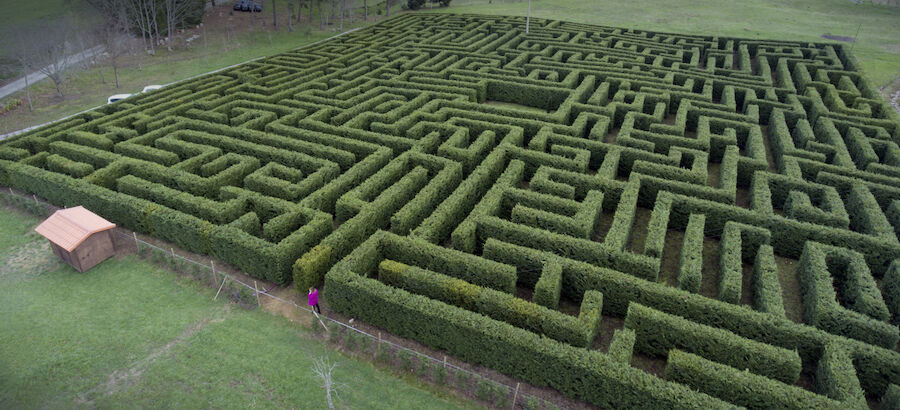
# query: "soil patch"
839,38
30,260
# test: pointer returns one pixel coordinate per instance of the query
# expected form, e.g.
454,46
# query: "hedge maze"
500,195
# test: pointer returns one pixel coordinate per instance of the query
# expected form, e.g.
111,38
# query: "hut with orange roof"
79,237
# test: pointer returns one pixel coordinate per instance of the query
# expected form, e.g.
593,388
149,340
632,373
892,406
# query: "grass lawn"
127,334
877,48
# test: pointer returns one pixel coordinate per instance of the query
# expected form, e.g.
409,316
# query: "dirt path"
122,378
286,309
892,93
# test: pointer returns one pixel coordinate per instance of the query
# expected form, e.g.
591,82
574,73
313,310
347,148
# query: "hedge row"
891,290
767,293
579,373
549,286
836,377
659,332
497,305
742,388
690,263
827,273
877,366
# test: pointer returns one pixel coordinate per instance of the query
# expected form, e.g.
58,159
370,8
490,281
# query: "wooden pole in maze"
220,287
516,394
257,294
377,347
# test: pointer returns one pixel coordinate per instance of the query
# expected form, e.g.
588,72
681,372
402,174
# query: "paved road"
37,75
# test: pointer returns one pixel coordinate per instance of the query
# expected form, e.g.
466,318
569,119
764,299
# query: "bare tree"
290,17
324,368
113,36
21,51
44,46
387,6
175,12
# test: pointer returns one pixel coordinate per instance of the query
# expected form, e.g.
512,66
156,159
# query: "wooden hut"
79,237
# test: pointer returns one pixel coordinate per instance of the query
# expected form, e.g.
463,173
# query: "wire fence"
438,370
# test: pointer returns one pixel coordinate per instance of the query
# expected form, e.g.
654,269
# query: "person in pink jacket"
313,299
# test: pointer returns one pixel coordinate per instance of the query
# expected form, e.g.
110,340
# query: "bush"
406,359
440,375
484,390
891,398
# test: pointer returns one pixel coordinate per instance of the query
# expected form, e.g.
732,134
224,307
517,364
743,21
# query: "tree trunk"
310,4
56,82
290,17
328,396
299,10
169,38
116,72
365,11
28,90
274,16
387,6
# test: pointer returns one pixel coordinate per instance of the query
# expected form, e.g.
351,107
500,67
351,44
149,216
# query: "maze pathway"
456,181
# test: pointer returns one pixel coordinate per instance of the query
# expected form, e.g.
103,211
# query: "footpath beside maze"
378,164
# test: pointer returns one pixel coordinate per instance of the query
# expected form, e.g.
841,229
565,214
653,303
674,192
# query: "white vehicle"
151,88
117,97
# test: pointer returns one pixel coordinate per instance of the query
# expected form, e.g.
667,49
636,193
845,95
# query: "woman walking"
313,299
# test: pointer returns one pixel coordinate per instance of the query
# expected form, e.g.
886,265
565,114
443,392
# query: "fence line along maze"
496,194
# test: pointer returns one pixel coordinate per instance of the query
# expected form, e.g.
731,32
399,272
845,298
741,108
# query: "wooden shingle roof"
68,228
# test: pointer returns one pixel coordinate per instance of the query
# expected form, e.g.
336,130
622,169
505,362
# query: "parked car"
117,97
151,88
248,5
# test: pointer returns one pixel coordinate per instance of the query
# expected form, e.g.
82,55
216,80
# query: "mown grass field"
127,335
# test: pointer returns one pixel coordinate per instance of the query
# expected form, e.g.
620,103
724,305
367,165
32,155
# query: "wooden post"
515,396
445,361
377,347
173,252
257,294
135,240
220,287
35,199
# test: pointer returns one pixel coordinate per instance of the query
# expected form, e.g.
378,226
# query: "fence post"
212,263
35,199
173,252
137,247
445,361
220,287
257,294
377,347
515,396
